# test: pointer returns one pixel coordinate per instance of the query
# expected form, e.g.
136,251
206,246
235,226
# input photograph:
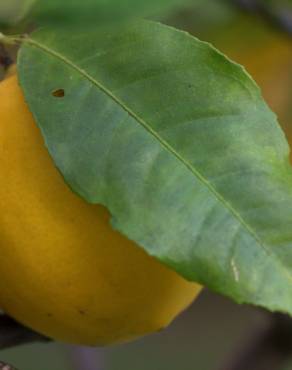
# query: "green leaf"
87,11
177,142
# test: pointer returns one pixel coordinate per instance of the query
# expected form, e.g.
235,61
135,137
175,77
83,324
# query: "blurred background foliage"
213,329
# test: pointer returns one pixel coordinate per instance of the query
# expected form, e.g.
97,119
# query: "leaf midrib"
163,142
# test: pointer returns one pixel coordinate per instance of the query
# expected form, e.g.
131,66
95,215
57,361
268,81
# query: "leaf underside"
177,142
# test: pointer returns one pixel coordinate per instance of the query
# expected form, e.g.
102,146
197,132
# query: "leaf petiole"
12,40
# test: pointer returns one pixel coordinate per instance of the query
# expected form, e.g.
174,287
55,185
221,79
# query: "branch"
280,19
5,61
270,349
13,334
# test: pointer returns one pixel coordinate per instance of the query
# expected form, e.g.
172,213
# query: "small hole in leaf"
59,93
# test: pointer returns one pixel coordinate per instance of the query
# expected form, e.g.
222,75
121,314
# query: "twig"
281,19
5,61
14,334
270,349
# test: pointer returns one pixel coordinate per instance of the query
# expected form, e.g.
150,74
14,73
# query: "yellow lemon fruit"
64,271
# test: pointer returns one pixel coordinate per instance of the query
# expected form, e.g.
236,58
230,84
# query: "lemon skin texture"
65,272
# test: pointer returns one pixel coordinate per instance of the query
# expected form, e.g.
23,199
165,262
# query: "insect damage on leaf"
59,93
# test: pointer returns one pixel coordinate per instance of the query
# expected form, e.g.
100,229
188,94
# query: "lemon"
64,271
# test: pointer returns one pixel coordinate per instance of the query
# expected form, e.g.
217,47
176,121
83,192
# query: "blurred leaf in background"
12,11
72,12
99,10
